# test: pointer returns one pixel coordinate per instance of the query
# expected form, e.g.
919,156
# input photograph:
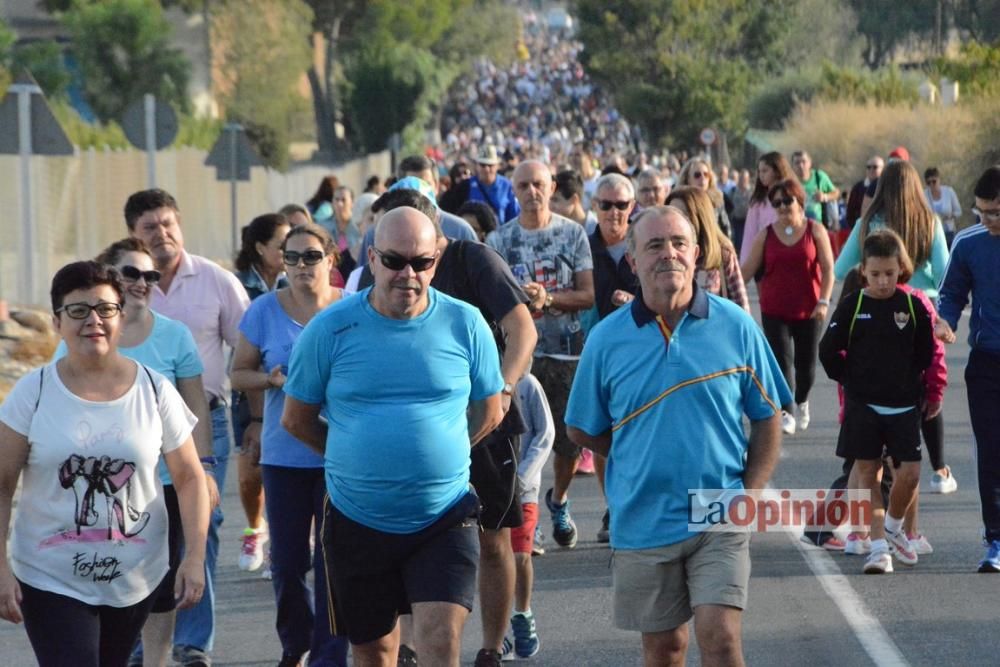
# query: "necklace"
789,230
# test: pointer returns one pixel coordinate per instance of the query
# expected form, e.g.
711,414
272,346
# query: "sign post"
27,127
232,156
150,125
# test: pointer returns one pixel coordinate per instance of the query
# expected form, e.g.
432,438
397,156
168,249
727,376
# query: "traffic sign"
233,154
136,125
707,136
46,137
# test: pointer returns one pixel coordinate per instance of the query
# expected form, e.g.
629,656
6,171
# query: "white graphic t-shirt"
91,523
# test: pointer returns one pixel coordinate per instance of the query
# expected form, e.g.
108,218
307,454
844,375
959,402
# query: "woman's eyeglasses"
131,274
310,257
398,262
607,205
778,202
699,174
81,311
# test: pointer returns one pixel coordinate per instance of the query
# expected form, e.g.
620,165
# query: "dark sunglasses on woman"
131,274
310,257
778,202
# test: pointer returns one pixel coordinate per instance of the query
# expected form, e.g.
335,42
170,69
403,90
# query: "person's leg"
290,502
438,629
778,337
869,477
932,431
522,620
982,379
120,629
157,638
158,632
329,640
195,630
556,378
719,632
381,652
805,336
819,536
496,585
252,499
665,649
77,625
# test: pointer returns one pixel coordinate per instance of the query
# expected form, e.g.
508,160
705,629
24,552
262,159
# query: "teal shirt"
926,277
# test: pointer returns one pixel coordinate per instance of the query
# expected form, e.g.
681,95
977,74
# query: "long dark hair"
783,172
324,193
260,230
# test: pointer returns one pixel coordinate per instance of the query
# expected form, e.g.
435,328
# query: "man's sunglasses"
81,311
778,202
310,257
132,274
606,205
398,263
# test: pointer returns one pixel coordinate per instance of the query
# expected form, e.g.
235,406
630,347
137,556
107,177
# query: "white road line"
873,637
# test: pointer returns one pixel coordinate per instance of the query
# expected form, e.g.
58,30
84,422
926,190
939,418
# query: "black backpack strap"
41,383
152,383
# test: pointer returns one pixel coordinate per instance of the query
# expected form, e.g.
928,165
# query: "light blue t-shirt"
675,410
395,393
170,350
268,327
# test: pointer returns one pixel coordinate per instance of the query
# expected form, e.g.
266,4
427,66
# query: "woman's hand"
819,312
10,596
190,583
276,379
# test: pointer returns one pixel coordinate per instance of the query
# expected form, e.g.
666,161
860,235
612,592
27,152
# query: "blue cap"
418,184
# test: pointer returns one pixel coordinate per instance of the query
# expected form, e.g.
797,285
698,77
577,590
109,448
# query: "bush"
976,69
885,86
775,100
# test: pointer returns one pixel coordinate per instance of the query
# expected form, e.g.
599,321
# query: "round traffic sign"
164,123
707,136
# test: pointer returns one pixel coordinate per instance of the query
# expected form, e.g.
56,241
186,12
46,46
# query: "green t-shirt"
818,180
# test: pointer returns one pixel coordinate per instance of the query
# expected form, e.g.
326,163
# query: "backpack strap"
152,383
41,383
857,309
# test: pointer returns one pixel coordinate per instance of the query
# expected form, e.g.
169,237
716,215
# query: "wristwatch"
548,302
508,389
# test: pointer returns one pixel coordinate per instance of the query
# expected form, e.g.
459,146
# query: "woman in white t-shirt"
88,546
943,201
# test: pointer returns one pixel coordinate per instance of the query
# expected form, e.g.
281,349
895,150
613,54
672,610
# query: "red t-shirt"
790,287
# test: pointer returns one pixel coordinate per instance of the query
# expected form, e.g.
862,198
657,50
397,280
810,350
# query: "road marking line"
873,637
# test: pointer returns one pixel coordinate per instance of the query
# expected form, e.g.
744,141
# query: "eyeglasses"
871,166
131,274
398,263
932,181
779,202
81,311
992,215
699,174
607,205
310,257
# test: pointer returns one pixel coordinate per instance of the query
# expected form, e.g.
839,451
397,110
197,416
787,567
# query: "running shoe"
406,657
991,564
563,527
538,544
921,546
858,546
787,423
525,637
290,660
487,657
252,549
942,484
507,650
834,544
604,534
878,562
802,412
586,465
901,547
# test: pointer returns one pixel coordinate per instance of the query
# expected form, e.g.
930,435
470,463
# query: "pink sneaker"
858,546
586,465
834,544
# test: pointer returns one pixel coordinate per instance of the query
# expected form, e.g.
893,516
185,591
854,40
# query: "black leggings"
65,632
933,432
804,334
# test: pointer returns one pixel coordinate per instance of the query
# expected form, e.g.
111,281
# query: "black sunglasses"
779,202
398,263
310,257
81,311
132,274
606,205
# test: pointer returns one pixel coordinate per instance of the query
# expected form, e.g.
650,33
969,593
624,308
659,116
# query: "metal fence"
77,204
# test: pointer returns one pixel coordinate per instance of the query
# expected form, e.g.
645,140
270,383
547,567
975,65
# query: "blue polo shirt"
395,394
674,402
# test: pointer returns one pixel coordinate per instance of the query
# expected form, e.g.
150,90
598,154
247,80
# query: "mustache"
667,265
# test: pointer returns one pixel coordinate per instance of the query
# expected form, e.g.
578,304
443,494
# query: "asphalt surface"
807,607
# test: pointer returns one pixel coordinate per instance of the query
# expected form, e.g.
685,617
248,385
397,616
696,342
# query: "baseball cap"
418,184
900,153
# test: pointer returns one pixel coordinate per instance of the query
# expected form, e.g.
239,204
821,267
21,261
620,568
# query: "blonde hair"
713,191
709,237
900,202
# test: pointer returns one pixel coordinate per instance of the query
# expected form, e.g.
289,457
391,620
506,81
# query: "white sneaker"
878,562
802,410
940,484
857,546
252,549
787,423
921,546
901,547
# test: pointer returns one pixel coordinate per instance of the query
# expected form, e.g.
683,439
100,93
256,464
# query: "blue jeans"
294,498
196,626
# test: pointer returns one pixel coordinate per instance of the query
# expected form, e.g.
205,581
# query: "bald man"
408,379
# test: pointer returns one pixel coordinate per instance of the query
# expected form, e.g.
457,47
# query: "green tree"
976,68
259,57
979,18
45,62
123,50
887,24
676,66
6,42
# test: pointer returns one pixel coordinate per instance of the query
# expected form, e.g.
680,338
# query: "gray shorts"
657,589
556,378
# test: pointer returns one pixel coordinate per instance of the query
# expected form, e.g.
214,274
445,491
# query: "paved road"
806,607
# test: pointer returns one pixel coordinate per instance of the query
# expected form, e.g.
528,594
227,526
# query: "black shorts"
865,432
163,596
556,378
373,576
493,473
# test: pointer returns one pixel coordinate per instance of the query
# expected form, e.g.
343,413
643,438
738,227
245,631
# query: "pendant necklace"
789,230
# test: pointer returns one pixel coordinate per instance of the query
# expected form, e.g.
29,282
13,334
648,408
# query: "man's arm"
484,416
521,339
303,422
581,297
599,444
763,450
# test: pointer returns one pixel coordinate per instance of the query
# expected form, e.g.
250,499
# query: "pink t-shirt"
760,216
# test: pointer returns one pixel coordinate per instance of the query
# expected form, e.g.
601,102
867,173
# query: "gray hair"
659,212
650,173
613,181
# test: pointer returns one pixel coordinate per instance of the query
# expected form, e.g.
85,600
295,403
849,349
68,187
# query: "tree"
676,66
978,18
6,42
259,57
123,50
45,62
888,24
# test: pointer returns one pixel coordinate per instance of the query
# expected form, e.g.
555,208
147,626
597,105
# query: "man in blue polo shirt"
661,390
394,371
